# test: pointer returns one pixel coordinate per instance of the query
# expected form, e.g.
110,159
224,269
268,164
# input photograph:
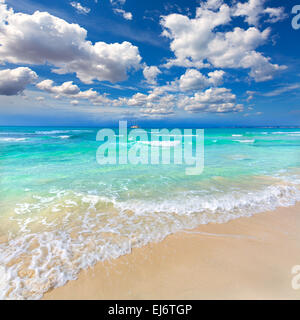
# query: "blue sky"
177,63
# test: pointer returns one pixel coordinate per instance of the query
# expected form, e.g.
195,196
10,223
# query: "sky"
164,63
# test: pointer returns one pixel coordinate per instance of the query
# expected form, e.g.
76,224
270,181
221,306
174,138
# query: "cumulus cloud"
79,8
156,113
196,43
159,103
151,73
117,9
253,11
123,13
212,100
155,104
195,80
42,38
74,102
67,88
275,14
72,91
14,81
118,2
212,4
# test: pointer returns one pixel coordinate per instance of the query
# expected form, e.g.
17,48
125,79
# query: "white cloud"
196,43
118,2
212,4
72,91
283,89
79,7
158,106
155,104
275,14
195,80
235,49
67,88
126,15
74,102
156,113
117,9
158,103
250,95
190,37
151,73
14,81
42,38
254,10
212,100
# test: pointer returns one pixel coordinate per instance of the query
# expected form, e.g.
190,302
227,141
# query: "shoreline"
246,258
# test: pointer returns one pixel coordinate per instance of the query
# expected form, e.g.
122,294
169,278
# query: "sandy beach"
247,258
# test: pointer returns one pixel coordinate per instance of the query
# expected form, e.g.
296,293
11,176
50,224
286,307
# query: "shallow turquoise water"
61,211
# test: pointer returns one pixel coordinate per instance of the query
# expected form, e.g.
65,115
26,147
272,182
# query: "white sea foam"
34,262
286,132
237,202
245,141
52,132
47,132
13,139
173,135
161,143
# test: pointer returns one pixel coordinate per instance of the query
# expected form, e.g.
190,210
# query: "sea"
62,212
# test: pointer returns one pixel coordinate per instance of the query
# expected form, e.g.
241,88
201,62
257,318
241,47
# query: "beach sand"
247,258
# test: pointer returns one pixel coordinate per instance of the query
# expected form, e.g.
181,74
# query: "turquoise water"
62,212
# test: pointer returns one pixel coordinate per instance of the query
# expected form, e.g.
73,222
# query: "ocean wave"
161,143
173,135
245,141
52,132
237,202
47,132
106,228
8,133
286,132
13,139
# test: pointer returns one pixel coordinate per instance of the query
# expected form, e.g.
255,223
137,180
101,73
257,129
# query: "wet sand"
247,258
